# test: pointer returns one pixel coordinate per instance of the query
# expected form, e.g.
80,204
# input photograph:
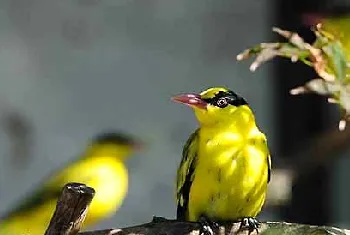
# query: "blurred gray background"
74,68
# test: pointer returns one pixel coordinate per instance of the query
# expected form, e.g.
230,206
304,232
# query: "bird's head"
214,105
118,144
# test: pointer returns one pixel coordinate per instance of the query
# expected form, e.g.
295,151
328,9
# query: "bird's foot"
250,224
207,226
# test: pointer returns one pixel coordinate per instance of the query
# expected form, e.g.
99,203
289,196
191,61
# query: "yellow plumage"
101,167
226,163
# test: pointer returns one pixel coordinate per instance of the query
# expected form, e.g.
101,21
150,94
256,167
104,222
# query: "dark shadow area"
300,118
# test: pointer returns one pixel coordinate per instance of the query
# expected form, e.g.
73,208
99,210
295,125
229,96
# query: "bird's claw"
207,226
250,223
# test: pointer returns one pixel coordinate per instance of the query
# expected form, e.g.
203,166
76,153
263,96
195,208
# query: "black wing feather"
185,175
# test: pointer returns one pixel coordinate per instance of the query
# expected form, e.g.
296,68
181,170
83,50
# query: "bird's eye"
222,103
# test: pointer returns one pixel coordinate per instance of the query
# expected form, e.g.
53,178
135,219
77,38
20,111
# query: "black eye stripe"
231,98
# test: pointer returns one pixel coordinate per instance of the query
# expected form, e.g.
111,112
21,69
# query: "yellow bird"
101,166
225,165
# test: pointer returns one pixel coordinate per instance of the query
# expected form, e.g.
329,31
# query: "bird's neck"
241,122
241,117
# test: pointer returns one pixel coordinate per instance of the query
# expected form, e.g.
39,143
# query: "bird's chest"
222,165
221,156
229,173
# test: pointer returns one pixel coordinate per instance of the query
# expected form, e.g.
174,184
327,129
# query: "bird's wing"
50,189
185,174
268,158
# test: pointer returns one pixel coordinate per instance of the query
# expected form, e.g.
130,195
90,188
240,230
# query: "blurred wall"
339,188
74,68
340,191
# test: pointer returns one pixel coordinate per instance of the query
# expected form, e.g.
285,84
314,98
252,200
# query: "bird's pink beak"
190,99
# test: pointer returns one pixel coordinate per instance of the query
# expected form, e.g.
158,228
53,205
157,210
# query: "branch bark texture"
73,204
162,226
71,209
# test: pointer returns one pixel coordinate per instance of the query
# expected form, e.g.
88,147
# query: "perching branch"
161,226
71,209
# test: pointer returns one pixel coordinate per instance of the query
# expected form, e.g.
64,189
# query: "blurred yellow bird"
101,166
225,165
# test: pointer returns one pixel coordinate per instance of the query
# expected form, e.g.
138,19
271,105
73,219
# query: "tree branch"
73,204
71,209
161,226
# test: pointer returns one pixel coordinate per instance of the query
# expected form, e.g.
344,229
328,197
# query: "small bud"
342,125
298,90
332,101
